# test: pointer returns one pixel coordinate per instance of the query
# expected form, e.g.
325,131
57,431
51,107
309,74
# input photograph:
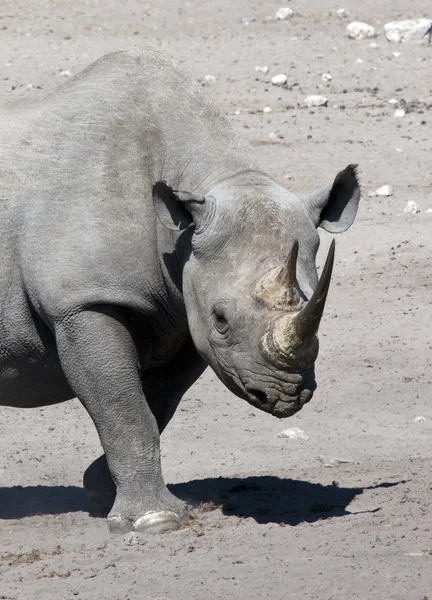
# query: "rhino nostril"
258,395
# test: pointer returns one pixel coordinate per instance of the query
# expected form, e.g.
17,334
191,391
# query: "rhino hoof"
117,524
157,521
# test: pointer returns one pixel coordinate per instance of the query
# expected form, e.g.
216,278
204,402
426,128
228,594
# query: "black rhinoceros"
139,243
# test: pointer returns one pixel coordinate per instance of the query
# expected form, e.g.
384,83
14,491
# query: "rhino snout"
280,400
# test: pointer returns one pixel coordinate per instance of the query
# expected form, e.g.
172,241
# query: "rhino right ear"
175,210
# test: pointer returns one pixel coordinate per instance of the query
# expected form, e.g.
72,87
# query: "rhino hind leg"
99,359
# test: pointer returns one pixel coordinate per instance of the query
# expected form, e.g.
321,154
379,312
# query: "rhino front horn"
293,336
307,321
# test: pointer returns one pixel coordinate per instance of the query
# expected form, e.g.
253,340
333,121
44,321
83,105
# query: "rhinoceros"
140,242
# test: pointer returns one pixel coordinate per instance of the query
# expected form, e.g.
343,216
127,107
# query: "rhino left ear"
334,208
175,210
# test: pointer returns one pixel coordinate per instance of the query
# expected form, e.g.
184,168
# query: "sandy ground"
285,525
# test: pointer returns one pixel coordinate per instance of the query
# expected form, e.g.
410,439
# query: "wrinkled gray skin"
120,292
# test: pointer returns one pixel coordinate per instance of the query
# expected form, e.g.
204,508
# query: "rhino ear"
334,207
174,209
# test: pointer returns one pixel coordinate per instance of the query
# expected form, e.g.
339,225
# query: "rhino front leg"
100,361
163,387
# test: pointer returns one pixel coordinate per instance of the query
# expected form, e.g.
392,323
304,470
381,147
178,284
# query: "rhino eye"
219,319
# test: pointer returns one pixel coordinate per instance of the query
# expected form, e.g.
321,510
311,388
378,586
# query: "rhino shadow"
18,502
269,499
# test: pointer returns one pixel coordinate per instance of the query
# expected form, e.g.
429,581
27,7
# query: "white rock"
273,136
267,109
284,13
359,61
326,77
396,54
359,31
392,101
209,79
333,461
65,73
399,113
403,31
374,45
429,210
293,433
399,150
385,190
411,207
279,79
419,419
315,100
264,69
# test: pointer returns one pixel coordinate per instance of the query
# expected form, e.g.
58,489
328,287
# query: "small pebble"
392,101
399,150
419,419
267,109
326,77
279,79
411,207
399,113
315,100
429,210
396,54
359,61
293,433
357,30
385,190
209,79
333,461
284,13
342,13
264,69
374,45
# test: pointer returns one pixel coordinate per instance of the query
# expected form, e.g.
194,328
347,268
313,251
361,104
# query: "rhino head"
250,284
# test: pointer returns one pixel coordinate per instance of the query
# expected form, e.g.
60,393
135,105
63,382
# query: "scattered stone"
399,113
342,13
326,77
429,210
333,461
418,553
315,100
385,190
284,13
359,61
393,101
279,79
246,20
396,54
293,433
411,207
65,73
404,31
360,31
264,69
267,109
135,539
209,79
419,419
289,176
399,150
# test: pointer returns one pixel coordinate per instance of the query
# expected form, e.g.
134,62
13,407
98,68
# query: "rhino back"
77,169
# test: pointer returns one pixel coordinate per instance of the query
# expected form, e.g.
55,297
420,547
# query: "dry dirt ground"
283,525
